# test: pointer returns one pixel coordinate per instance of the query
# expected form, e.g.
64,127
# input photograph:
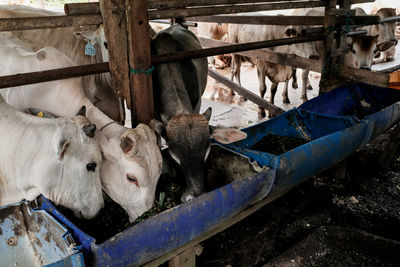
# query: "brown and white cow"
178,87
275,72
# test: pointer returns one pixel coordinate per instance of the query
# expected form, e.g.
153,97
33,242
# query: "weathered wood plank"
357,75
82,8
270,56
229,9
286,20
328,46
142,110
7,24
158,59
262,20
113,13
273,110
52,75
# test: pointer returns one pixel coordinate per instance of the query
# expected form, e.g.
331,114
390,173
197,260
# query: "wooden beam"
158,59
357,75
82,8
287,20
19,24
52,75
172,4
328,46
113,13
270,56
262,20
229,9
273,110
142,110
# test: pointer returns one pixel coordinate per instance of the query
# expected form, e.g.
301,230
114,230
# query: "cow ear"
81,111
89,130
159,130
126,144
385,46
164,119
62,148
227,135
207,114
86,36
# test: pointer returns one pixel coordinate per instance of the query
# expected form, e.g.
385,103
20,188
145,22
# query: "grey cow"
178,87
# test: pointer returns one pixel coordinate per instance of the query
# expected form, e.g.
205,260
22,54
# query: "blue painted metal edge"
86,241
176,227
75,260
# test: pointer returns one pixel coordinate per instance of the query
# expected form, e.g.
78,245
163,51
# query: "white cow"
362,48
72,43
132,160
59,158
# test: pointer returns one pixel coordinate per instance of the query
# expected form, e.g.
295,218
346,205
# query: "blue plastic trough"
32,237
331,140
363,101
173,228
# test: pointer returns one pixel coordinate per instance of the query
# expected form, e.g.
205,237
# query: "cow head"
363,49
131,170
75,177
188,139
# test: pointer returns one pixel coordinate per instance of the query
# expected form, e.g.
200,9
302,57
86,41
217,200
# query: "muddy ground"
323,222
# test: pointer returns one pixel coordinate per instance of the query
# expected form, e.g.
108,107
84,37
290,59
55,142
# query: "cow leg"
309,87
274,88
294,79
380,59
261,72
285,97
304,78
235,72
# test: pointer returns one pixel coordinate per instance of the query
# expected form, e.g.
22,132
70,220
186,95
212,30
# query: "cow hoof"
286,101
309,87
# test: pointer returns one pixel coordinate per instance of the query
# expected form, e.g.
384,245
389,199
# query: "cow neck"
109,128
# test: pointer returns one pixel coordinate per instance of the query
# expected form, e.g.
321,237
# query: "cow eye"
132,179
105,45
352,51
91,167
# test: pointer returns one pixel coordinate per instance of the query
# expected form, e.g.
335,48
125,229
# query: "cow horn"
82,111
126,144
89,130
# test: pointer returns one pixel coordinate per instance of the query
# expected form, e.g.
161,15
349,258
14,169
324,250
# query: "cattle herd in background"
70,160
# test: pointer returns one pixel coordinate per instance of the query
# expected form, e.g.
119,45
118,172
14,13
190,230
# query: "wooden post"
113,13
187,258
328,46
142,109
